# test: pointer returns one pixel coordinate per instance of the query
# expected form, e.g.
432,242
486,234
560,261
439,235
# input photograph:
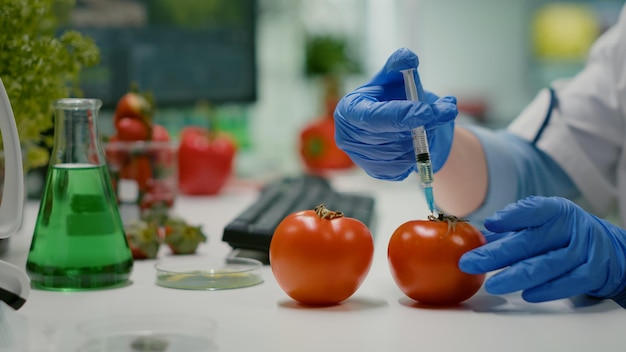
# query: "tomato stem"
450,219
326,213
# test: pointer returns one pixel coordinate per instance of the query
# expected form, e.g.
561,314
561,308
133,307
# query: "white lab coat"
585,133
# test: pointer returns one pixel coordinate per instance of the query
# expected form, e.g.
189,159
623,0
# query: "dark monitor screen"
179,58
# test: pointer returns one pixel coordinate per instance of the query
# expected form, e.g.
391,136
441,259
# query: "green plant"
328,54
328,57
38,66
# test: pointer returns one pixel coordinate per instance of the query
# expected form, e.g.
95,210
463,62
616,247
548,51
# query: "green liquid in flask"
79,241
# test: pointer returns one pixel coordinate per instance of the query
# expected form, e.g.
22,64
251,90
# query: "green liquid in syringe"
79,241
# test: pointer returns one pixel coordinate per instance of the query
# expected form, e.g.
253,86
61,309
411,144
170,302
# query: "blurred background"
262,67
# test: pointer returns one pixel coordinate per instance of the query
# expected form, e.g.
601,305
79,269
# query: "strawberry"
160,133
133,105
143,239
181,237
130,129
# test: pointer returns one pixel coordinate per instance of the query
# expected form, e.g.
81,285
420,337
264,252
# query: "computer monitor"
205,50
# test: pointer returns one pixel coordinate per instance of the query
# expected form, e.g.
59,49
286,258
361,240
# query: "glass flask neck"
76,137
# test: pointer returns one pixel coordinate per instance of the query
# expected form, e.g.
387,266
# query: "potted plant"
328,61
38,66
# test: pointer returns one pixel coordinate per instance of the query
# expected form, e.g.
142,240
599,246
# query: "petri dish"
147,333
202,274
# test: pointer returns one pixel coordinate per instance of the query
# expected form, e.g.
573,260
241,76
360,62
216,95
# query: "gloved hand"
373,124
553,249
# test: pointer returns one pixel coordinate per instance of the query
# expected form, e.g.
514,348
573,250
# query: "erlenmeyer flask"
79,241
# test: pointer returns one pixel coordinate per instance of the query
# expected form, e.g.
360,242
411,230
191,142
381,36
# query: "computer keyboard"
250,233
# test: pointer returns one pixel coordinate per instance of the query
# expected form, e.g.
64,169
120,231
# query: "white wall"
466,48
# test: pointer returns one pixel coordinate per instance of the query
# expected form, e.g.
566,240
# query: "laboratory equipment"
143,195
415,92
79,241
154,332
14,286
209,274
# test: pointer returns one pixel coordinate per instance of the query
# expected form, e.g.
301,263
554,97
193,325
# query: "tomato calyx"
450,219
326,213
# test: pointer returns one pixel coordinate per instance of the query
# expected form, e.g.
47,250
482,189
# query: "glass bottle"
79,241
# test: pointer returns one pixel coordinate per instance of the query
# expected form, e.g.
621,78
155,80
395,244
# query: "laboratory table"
378,317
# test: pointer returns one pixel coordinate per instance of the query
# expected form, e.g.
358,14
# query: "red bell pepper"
318,149
205,161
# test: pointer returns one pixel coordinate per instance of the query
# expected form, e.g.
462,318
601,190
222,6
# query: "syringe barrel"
425,171
412,85
420,142
414,92
422,156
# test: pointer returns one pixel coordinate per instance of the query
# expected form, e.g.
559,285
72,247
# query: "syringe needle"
430,199
415,92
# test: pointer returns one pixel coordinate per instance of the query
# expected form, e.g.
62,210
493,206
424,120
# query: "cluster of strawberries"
143,168
140,150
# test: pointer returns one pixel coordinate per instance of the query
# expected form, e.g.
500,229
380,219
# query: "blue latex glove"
373,124
550,249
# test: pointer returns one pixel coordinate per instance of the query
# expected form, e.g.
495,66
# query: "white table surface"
378,317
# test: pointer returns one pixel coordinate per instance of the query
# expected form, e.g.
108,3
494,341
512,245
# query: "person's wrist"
442,143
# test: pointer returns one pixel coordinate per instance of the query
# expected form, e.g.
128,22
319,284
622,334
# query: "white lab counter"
376,318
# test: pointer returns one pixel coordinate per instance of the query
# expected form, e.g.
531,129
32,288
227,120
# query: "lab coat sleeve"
581,123
516,169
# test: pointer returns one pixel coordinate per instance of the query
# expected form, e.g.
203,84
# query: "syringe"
415,92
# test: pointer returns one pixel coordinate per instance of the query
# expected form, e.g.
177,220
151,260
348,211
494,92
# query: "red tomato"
318,149
130,129
320,257
423,257
205,161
